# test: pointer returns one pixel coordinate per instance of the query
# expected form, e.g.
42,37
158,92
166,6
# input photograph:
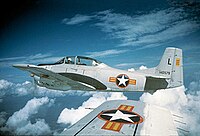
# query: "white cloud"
20,122
8,88
142,67
179,29
131,69
116,96
67,115
169,98
105,53
77,19
5,84
30,108
2,118
191,112
42,91
194,86
179,103
151,28
145,30
38,128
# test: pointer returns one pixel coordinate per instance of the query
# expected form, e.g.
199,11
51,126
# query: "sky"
123,34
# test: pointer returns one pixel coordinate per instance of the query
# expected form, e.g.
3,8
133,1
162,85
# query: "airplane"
116,117
88,74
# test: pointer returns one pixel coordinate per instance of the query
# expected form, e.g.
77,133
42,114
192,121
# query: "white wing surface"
125,117
45,74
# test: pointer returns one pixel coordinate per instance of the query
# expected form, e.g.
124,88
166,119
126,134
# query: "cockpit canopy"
76,60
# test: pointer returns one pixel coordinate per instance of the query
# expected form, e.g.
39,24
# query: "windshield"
87,61
60,61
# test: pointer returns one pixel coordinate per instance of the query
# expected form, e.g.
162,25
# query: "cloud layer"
19,123
181,104
2,118
181,101
28,88
149,29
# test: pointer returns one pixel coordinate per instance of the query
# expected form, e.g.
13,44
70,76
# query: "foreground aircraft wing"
125,117
47,74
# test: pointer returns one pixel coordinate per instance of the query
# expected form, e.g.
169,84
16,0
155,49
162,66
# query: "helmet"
69,59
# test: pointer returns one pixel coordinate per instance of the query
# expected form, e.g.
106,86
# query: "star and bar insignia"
116,118
122,80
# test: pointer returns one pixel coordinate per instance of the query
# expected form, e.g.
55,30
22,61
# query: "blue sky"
130,35
122,33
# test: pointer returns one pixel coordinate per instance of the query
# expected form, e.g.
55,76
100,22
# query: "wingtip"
20,65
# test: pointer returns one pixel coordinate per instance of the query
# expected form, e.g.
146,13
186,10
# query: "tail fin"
171,66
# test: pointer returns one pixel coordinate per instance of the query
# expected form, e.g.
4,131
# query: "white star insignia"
122,80
120,115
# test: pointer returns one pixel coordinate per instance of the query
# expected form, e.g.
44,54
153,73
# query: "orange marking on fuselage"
112,79
132,81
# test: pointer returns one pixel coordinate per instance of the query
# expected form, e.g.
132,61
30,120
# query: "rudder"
171,67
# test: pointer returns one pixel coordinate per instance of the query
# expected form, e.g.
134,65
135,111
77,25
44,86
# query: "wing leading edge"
45,74
125,117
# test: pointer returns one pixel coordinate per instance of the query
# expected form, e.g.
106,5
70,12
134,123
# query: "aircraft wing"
125,117
56,77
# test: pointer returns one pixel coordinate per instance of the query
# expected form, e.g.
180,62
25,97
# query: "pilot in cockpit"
69,61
